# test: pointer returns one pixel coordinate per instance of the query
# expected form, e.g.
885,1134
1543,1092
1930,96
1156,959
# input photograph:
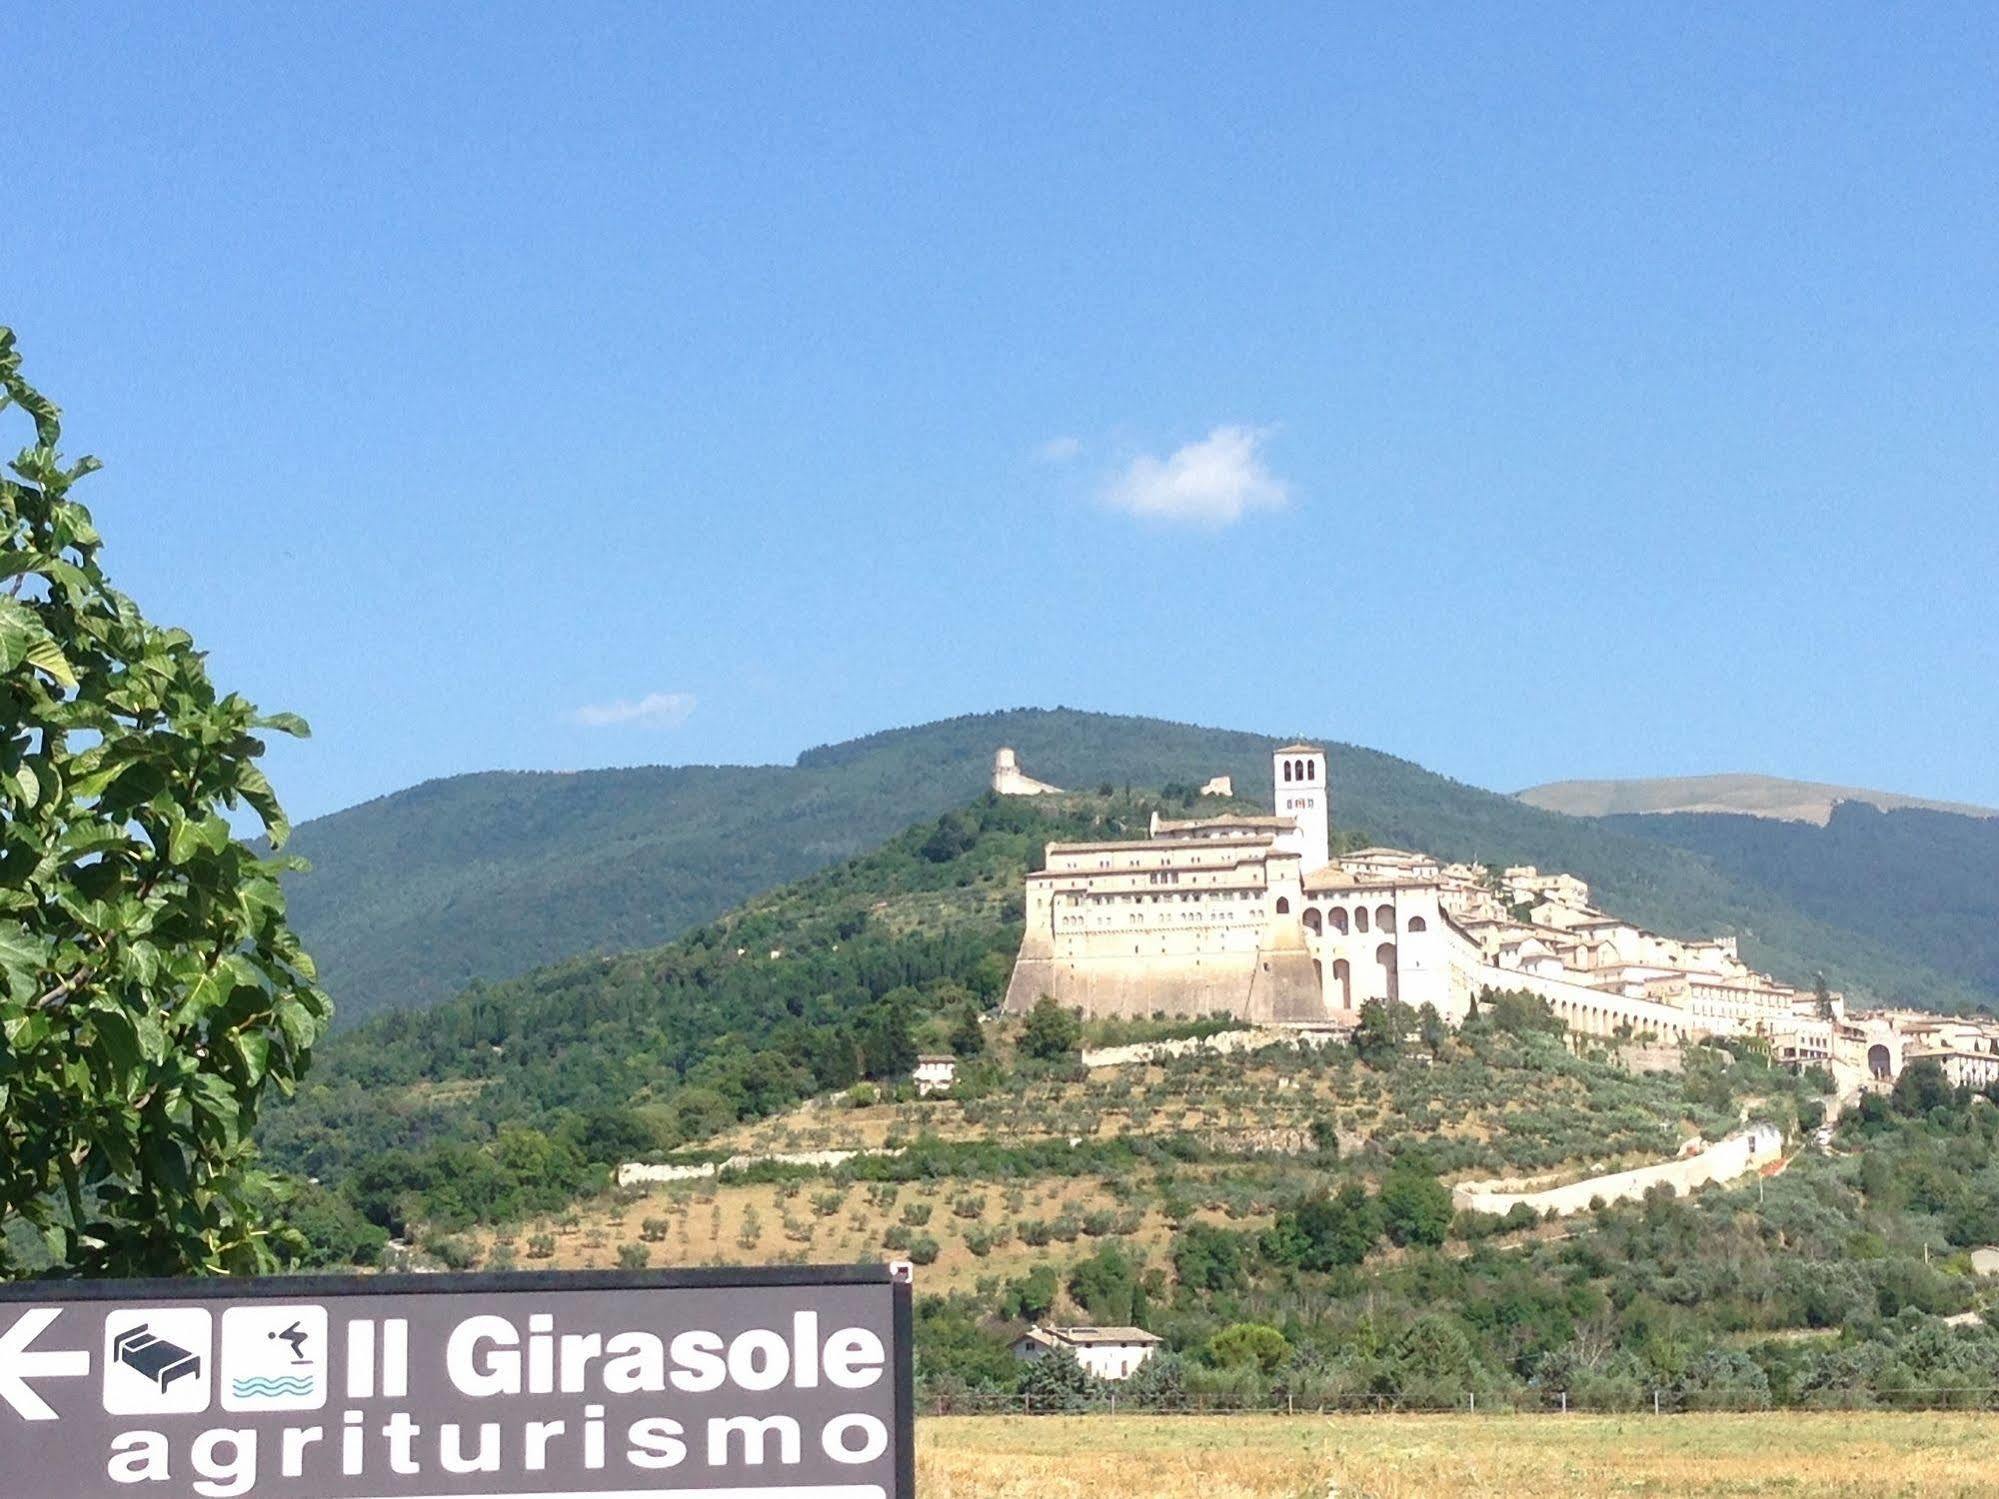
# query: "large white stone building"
1239,915
1250,916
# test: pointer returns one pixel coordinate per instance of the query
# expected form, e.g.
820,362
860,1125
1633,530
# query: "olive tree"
151,991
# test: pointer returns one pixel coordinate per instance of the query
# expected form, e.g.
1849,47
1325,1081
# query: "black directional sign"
743,1384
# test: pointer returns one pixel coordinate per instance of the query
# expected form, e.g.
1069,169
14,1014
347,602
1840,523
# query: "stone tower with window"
1298,783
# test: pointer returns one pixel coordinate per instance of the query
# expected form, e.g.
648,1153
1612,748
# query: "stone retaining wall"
1725,1160
642,1173
1222,1042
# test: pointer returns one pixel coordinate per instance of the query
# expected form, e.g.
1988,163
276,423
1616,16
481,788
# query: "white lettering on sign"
854,1358
395,1358
296,1440
138,1457
226,1461
259,1383
486,1355
755,1432
871,1430
361,1359
474,1369
451,1449
701,1369
655,1443
363,1365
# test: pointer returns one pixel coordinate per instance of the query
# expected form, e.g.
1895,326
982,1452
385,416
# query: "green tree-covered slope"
1925,881
487,876
804,989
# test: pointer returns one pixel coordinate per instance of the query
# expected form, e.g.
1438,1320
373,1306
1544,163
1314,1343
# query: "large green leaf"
255,789
285,723
48,656
254,1047
19,630
118,1035
23,955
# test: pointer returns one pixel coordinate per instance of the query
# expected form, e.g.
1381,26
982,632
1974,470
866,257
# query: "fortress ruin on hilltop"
1008,780
1252,917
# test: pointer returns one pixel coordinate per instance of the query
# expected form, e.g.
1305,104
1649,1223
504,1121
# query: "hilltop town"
1254,917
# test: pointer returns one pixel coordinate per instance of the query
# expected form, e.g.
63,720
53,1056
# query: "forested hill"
1927,881
414,895
803,989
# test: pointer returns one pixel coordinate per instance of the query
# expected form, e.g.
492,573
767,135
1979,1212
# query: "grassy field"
1796,1454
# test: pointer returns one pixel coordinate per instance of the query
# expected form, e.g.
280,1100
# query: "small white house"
935,1074
1106,1352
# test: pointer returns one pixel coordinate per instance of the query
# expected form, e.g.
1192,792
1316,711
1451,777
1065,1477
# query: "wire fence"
1661,1402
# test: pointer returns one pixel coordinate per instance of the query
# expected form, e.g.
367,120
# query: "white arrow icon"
18,1366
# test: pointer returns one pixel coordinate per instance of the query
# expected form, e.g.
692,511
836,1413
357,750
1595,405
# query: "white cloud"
669,710
1213,482
1060,450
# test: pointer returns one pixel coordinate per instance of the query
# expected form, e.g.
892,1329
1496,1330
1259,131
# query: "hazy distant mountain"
1750,795
415,895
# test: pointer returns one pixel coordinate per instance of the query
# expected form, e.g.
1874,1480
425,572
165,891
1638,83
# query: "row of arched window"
1301,770
1608,1020
1338,919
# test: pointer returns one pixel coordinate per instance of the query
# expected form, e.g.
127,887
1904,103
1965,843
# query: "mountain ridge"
1738,792
489,875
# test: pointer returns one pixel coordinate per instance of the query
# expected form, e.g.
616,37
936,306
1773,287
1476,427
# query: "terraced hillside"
1022,1162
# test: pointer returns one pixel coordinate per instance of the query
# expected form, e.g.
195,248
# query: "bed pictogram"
160,1361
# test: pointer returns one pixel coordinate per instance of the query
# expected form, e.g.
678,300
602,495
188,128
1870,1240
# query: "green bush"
1415,1207
1249,1344
1051,1033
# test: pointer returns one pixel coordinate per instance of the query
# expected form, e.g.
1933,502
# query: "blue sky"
1590,390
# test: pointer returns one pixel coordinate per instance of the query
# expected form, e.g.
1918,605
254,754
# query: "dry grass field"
1795,1454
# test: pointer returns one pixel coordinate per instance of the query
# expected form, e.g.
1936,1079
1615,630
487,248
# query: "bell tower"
1299,791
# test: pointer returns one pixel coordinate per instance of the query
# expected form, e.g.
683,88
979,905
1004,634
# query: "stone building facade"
1241,916
1251,917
